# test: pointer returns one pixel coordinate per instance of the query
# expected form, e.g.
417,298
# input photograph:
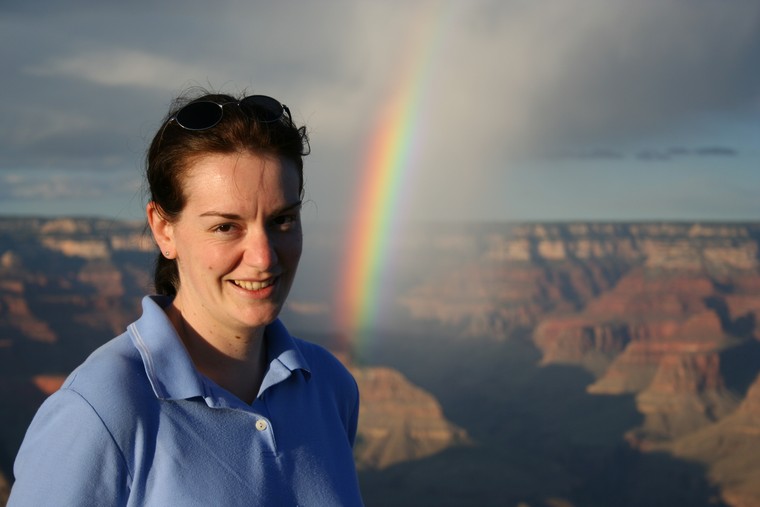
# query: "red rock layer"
48,384
17,317
686,393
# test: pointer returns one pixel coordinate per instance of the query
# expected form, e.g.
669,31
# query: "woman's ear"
163,230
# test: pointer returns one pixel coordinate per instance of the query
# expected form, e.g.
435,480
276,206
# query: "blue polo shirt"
137,425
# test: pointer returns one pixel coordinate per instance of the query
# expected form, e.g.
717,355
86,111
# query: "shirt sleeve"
68,457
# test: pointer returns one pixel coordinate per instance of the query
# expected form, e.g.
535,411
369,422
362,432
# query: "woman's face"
237,241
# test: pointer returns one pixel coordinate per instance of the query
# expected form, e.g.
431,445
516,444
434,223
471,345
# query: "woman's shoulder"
113,371
87,425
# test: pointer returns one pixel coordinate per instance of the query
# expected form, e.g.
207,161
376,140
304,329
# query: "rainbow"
386,171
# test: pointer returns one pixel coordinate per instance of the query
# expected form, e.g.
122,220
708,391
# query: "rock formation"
398,421
730,449
651,310
16,318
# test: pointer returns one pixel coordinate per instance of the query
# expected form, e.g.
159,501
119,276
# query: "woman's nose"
260,251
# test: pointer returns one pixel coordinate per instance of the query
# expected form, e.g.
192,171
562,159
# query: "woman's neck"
234,361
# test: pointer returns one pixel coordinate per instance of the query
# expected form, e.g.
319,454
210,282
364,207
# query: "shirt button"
261,425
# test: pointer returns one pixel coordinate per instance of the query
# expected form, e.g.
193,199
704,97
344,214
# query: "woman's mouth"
249,285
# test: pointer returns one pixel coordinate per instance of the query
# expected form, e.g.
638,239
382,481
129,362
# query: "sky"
545,110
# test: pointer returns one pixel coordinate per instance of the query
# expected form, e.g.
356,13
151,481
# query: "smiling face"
237,241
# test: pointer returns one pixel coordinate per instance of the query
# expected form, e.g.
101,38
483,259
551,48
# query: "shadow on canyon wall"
538,439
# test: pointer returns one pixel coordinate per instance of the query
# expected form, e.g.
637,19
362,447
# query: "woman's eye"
285,221
223,228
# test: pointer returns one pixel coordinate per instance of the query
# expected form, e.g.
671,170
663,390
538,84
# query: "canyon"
665,313
519,364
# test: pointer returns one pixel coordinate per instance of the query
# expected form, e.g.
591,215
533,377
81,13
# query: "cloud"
45,185
578,72
646,154
650,155
590,154
653,156
716,151
509,81
496,81
118,67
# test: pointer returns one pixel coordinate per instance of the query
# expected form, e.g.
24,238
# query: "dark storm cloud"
579,72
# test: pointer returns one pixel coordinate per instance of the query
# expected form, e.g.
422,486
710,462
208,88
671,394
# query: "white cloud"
120,67
40,125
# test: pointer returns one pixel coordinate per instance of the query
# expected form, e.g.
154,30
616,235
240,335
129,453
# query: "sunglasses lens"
199,115
205,114
263,108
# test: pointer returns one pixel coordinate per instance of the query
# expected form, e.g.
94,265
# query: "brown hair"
174,148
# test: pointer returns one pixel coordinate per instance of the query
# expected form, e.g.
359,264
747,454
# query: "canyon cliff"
659,311
639,350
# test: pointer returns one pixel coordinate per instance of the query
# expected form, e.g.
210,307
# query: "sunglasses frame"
206,114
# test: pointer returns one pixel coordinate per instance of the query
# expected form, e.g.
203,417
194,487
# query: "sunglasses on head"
205,114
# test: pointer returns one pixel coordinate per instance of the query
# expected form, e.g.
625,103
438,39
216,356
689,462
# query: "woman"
206,399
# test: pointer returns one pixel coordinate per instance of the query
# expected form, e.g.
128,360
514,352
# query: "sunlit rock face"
399,421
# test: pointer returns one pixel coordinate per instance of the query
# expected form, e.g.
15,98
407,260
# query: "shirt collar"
171,371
